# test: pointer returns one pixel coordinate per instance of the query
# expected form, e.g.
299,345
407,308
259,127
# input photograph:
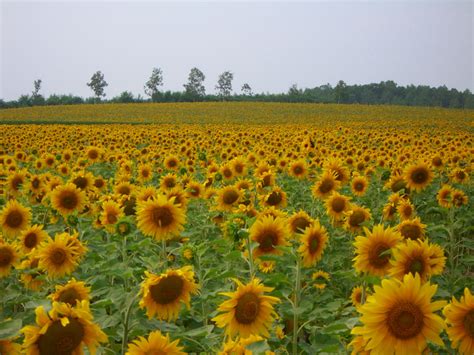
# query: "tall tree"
194,87
37,88
341,91
98,84
224,84
155,81
246,90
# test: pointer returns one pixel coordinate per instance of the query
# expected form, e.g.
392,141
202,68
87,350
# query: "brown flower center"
61,340
69,200
124,190
326,186
6,256
80,182
419,175
14,219
58,256
170,183
338,204
162,216
356,218
376,259
111,218
167,290
314,243
359,186
267,241
31,239
469,323
247,309
411,231
405,321
16,183
298,170
230,196
415,266
69,296
299,224
274,198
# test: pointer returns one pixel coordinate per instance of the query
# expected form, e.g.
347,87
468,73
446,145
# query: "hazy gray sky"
270,45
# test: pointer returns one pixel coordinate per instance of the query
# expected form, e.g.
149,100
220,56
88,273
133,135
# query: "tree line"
385,92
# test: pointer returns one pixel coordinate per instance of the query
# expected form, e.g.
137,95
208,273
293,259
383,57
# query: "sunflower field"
348,230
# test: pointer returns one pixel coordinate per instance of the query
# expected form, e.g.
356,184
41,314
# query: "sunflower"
15,182
266,266
124,188
373,251
8,347
444,196
269,233
355,217
31,237
396,183
155,343
359,185
326,184
400,316
145,172
320,278
30,276
298,169
163,294
228,197
60,256
71,293
146,193
299,221
8,258
460,319
63,330
171,162
14,218
412,229
460,175
336,205
160,218
239,346
111,213
337,167
83,181
389,211
357,294
405,209
459,198
168,182
194,189
238,166
67,199
418,176
313,243
177,196
248,311
275,198
357,345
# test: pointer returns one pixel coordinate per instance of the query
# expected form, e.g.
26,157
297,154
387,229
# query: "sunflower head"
32,237
336,205
313,243
155,343
418,176
299,221
14,218
326,184
412,229
8,258
67,199
355,217
71,293
228,197
269,233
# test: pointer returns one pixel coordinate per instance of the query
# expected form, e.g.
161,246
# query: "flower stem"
295,305
249,248
126,324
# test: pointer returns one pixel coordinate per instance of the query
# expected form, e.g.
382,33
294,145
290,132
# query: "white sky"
270,45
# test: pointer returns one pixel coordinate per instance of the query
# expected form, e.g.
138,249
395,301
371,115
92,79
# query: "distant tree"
246,90
194,88
124,97
341,91
224,84
294,91
36,98
98,84
155,81
37,86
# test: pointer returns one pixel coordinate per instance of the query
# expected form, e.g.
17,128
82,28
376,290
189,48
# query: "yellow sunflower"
111,213
299,221
168,182
460,319
336,205
8,347
459,198
269,233
320,279
239,346
418,176
60,256
355,217
326,184
31,237
163,294
67,199
30,275
356,296
71,293
400,316
248,311
405,209
373,251
359,185
63,330
313,243
228,197
155,343
444,196
298,169
412,229
160,218
8,258
275,198
14,218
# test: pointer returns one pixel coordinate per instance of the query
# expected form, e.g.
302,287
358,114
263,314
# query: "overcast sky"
270,45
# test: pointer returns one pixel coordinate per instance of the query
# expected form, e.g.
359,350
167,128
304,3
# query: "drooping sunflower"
111,213
155,343
14,218
31,237
359,185
163,294
418,176
269,233
228,198
460,319
412,229
299,221
357,294
355,217
60,256
71,293
178,197
373,251
336,165
396,182
313,243
400,316
320,279
63,330
160,218
67,199
336,205
326,184
8,258
248,311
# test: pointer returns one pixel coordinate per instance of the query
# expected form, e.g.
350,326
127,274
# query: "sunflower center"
338,205
156,352
247,308
274,198
326,186
99,183
124,190
300,224
69,296
416,266
460,175
167,290
230,197
93,154
172,163
69,200
61,340
419,176
377,258
170,183
14,219
16,183
405,320
80,182
410,231
162,216
298,170
58,257
111,218
314,244
35,183
356,218
267,241
6,257
469,323
31,240
239,168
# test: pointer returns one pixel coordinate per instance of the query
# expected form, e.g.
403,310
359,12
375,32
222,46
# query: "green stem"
126,324
249,248
164,255
295,305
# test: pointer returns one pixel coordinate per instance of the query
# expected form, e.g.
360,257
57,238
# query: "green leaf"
9,328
